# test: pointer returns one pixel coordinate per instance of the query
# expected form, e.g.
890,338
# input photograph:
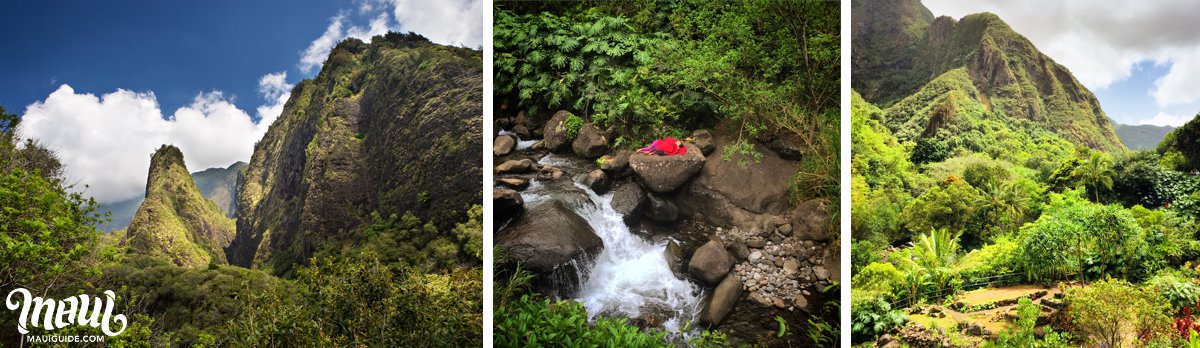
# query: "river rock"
755,255
661,210
654,313
590,143
628,200
800,301
721,302
521,131
674,255
704,141
811,220
666,173
549,173
550,235
791,266
595,180
616,165
508,204
503,145
787,148
520,166
710,262
821,272
514,183
738,249
760,300
554,134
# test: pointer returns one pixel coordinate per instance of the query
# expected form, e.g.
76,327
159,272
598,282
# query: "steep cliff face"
1012,77
388,127
175,221
220,185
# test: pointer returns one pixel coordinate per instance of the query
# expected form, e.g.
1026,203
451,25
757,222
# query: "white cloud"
105,142
315,54
1164,119
1101,41
450,22
1178,86
276,91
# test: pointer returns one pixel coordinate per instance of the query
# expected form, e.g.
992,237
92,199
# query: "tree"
1096,172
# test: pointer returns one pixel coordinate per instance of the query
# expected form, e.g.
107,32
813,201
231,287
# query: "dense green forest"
991,209
389,275
925,232
759,71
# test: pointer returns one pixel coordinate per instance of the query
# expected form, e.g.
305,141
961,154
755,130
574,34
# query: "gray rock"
508,204
503,145
628,199
704,141
721,302
660,209
549,173
666,173
554,134
616,165
674,255
597,181
791,266
548,236
787,149
520,166
710,263
590,143
514,183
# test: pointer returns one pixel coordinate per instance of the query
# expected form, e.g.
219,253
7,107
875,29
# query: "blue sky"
106,83
1140,58
175,48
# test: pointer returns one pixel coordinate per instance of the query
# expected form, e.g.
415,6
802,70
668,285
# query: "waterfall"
631,273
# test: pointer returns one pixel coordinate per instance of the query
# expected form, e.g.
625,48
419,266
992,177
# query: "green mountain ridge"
899,48
1142,136
175,221
386,129
217,184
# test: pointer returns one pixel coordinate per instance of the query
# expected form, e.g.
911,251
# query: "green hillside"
175,221
899,48
387,137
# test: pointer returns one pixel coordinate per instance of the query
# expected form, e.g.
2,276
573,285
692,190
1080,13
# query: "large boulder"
704,141
661,210
729,193
710,263
721,302
554,135
666,173
503,145
550,235
508,204
590,143
674,255
520,166
628,199
811,221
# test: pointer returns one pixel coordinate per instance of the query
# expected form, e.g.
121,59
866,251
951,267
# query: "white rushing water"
521,144
631,271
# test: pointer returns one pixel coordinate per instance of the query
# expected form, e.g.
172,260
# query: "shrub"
872,316
881,278
1021,333
1109,311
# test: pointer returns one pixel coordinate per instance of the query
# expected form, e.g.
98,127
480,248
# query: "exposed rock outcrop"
666,173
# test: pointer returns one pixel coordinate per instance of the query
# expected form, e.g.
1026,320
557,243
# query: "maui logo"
75,310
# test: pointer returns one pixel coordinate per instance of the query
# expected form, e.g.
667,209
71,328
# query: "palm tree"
937,252
1095,172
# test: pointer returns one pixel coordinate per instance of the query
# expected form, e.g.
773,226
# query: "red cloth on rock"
669,147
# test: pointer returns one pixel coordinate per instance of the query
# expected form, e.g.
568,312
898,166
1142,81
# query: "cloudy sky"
1140,58
105,84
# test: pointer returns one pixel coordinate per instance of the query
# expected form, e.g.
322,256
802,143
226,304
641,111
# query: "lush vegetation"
757,70
426,291
949,196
